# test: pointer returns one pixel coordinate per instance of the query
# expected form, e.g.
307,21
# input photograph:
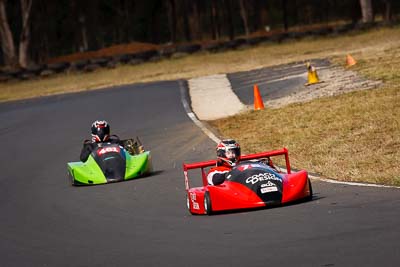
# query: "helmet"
100,131
228,152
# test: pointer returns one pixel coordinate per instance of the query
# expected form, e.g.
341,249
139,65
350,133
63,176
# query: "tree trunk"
262,22
172,20
84,44
7,42
295,7
186,26
285,16
195,21
243,13
216,33
25,33
367,11
387,16
155,24
229,19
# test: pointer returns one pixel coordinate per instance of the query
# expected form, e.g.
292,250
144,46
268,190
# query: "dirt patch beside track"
334,80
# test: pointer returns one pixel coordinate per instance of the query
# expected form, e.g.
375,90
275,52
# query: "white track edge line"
351,183
193,117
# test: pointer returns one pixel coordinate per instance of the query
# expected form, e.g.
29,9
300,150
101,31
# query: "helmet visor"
102,134
232,154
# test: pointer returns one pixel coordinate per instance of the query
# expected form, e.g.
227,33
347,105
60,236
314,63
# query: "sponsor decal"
105,150
268,187
265,176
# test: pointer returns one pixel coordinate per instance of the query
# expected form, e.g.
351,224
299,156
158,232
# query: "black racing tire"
188,204
71,178
310,197
207,203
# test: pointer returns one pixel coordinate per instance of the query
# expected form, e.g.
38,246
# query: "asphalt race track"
44,221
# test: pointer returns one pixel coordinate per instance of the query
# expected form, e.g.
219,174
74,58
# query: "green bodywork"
88,173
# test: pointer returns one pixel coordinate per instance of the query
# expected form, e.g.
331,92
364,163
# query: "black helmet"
100,131
228,152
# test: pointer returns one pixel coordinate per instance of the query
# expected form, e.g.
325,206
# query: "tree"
367,11
194,20
215,21
229,19
172,20
185,15
26,6
243,14
7,42
11,58
387,15
261,16
285,15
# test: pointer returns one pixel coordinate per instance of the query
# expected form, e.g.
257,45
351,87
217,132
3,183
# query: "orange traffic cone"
312,74
350,61
258,102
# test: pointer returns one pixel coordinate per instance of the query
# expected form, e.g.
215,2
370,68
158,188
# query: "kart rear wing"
210,163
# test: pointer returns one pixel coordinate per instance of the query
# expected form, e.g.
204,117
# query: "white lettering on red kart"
193,197
265,176
107,150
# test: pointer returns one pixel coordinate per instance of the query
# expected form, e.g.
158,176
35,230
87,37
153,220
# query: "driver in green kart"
100,134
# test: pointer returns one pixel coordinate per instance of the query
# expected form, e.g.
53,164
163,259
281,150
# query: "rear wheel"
311,191
207,203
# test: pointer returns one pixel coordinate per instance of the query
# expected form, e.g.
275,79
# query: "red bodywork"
232,195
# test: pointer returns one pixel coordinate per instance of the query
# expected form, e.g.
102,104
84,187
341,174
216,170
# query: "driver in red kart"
100,134
228,156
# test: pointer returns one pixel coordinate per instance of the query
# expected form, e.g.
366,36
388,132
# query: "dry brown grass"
351,137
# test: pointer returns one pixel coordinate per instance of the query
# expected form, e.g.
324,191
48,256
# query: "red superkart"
254,183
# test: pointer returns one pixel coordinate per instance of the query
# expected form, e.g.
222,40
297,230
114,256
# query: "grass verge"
351,137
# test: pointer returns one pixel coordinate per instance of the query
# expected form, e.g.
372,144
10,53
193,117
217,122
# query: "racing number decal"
107,150
244,167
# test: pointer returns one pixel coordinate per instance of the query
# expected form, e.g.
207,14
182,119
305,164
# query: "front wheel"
207,203
188,204
71,178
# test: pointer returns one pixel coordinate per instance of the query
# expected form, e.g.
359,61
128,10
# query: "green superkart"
112,163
